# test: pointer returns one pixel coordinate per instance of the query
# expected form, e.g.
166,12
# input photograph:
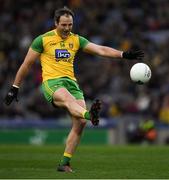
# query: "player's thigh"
81,102
61,97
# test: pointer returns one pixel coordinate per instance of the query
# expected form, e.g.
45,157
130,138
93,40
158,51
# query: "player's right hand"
11,95
133,54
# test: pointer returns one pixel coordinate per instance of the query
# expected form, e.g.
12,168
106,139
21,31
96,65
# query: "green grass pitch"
89,162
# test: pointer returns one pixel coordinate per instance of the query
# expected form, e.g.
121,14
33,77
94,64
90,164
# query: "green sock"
87,115
65,160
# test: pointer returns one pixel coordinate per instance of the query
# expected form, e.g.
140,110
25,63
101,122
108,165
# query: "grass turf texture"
90,162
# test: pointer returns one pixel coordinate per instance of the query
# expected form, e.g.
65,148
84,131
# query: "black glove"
12,94
133,54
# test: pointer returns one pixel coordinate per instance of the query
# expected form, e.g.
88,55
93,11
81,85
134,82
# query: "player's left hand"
133,54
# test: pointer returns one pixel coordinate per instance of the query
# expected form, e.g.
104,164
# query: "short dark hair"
61,12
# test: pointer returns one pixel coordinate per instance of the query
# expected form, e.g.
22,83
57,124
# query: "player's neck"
60,35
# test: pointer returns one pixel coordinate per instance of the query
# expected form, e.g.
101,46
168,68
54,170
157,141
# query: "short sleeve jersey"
57,55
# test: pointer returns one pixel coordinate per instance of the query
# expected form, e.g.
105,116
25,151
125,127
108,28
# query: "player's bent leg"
62,98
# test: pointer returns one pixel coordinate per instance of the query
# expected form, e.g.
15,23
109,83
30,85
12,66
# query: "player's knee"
81,125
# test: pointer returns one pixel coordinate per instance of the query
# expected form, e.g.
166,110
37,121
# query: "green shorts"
51,85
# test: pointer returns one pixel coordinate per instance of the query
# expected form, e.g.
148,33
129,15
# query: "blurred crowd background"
119,24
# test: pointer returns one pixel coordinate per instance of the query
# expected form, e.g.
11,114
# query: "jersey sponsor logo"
62,53
71,45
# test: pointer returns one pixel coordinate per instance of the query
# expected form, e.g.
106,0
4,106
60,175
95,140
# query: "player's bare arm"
22,72
24,68
105,51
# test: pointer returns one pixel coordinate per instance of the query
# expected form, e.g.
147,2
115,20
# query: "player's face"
64,26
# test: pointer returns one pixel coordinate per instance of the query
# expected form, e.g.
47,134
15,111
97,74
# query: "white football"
140,73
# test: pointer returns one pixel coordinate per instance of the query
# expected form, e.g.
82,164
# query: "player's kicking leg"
62,98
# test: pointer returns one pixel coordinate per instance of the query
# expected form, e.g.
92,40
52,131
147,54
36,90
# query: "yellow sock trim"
83,113
67,155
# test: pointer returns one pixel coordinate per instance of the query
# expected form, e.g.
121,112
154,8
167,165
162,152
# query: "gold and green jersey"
57,55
